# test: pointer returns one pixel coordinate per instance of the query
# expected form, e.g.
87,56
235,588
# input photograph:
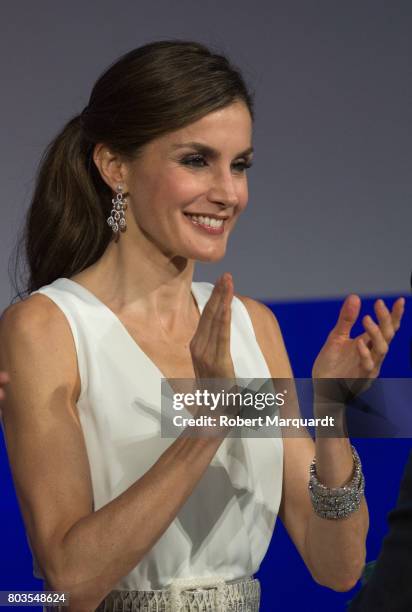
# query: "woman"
116,515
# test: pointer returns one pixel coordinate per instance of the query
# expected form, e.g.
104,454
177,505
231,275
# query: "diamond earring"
117,219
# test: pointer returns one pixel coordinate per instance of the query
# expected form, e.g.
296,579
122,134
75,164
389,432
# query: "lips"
210,215
206,228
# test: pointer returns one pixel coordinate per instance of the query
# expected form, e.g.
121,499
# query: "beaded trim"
192,596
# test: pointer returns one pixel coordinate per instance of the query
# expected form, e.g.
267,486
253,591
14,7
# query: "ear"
112,169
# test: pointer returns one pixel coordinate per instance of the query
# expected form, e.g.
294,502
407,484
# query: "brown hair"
154,89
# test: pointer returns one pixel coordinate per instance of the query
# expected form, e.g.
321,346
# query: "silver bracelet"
338,502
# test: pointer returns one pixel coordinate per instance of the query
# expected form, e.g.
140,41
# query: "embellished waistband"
203,594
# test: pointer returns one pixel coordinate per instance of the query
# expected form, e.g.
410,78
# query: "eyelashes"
198,161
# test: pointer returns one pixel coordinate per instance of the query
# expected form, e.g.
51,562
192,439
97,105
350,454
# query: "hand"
210,346
210,351
360,357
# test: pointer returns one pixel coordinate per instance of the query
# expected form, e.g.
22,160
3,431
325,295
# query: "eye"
243,165
193,160
198,161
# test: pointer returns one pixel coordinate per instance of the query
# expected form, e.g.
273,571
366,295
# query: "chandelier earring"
117,219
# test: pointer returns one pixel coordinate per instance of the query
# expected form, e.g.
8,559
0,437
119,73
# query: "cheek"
181,188
186,188
162,195
243,196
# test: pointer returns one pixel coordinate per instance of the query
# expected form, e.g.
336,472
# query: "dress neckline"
93,298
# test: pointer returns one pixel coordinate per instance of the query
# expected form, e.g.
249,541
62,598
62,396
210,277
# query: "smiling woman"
148,179
179,198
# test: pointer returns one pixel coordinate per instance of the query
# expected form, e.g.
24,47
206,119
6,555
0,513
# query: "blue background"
286,583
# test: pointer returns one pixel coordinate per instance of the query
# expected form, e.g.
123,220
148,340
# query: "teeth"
207,220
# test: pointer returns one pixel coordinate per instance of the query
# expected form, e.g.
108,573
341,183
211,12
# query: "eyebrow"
206,150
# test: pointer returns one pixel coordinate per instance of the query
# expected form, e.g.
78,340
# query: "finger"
220,332
348,314
365,356
366,339
385,320
212,347
203,330
379,345
223,340
398,309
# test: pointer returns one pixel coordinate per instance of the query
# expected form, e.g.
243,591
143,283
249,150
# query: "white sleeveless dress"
225,526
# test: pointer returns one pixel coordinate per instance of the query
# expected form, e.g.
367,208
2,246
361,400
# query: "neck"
138,280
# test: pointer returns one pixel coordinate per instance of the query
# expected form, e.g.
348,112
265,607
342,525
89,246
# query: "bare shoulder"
36,329
261,314
30,313
269,337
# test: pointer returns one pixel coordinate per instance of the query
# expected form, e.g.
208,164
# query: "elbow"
343,575
83,586
79,593
78,600
343,582
344,586
61,575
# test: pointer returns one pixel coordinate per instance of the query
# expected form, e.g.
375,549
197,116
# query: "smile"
208,224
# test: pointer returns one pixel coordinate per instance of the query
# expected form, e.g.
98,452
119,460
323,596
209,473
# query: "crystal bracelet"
338,502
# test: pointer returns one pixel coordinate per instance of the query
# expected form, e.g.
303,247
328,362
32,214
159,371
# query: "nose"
223,189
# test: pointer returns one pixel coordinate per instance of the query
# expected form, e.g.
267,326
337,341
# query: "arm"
80,551
333,550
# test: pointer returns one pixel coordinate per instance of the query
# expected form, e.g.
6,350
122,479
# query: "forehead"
228,128
222,120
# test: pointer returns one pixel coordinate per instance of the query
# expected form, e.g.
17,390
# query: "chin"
208,258
204,255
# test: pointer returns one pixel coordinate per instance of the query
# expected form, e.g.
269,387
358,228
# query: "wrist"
337,502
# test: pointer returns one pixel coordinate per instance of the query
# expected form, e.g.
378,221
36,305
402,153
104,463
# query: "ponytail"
65,229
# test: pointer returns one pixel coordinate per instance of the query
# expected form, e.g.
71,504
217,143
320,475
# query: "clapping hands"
360,357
